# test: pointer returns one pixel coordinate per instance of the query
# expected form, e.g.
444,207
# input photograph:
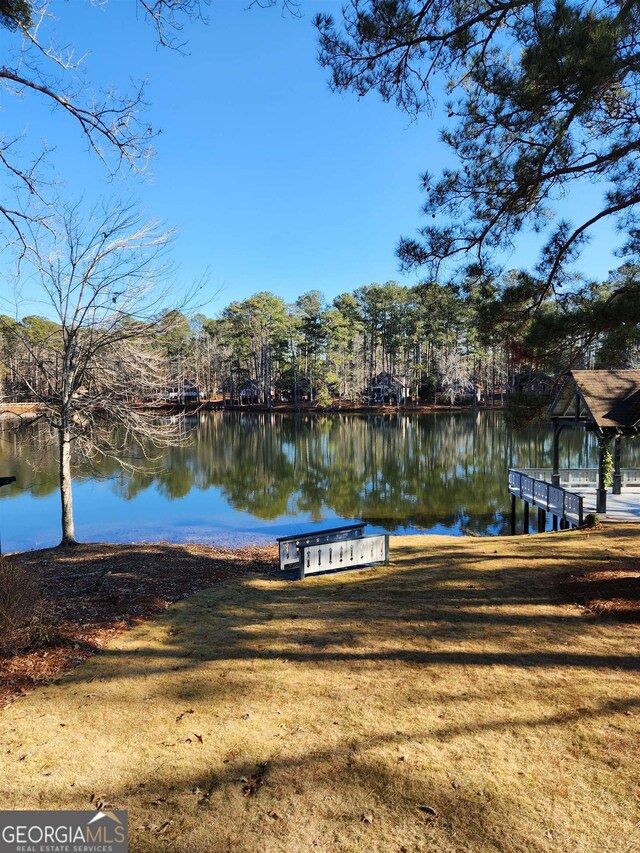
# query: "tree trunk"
66,498
267,376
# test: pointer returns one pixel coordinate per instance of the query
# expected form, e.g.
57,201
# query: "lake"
249,477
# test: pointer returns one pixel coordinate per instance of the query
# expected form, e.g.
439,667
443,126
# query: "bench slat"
289,546
350,554
359,524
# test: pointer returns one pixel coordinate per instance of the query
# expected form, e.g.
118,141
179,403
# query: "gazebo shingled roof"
608,399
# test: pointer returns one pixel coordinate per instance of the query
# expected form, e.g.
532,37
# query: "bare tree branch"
95,370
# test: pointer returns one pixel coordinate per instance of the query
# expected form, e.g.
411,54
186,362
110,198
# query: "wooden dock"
622,507
570,494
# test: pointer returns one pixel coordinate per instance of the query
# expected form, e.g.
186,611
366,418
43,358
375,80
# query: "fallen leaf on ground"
183,714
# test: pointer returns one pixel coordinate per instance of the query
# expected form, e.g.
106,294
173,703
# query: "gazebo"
606,402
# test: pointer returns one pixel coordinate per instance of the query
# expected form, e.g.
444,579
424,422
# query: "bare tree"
455,373
102,279
38,67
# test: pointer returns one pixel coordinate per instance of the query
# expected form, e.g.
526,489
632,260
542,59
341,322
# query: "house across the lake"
250,392
540,384
387,390
184,393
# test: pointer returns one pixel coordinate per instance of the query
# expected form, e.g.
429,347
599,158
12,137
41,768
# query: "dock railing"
556,500
584,477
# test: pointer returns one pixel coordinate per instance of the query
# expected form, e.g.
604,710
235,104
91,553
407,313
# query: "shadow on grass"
337,618
335,787
411,628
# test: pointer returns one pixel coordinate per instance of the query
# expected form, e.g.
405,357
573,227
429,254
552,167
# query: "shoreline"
343,409
13,413
30,411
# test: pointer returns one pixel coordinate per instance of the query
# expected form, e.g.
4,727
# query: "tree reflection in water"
397,472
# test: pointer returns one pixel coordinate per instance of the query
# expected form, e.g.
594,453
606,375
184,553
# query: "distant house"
185,393
540,384
190,393
387,390
250,392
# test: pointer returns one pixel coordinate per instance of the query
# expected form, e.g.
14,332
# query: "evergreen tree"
541,95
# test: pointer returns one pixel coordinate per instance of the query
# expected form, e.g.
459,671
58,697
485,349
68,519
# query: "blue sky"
273,182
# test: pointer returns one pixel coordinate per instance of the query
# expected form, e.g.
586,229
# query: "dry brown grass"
449,702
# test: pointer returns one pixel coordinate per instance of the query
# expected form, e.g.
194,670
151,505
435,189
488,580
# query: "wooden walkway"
624,507
583,483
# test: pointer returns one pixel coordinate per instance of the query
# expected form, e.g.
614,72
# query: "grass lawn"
449,702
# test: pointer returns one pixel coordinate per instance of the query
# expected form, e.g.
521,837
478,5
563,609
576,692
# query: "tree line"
446,344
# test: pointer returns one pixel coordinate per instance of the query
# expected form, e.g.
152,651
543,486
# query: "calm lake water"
247,478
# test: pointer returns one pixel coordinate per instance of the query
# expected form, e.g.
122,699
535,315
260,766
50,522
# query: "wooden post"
542,520
555,523
555,475
617,473
513,515
526,517
601,494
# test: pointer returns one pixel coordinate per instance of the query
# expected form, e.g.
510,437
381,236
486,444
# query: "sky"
272,181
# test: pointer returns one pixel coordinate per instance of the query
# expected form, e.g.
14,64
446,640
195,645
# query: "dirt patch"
93,592
611,592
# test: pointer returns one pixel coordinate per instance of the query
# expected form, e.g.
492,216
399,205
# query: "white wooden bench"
289,546
337,556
